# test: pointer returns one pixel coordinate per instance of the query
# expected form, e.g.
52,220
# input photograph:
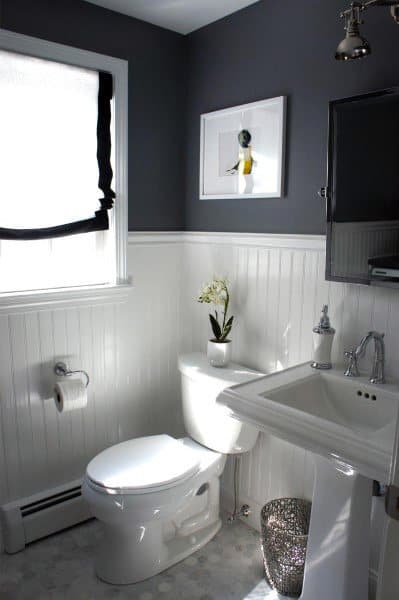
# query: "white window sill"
64,297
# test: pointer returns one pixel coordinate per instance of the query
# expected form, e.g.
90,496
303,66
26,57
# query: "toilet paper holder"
61,370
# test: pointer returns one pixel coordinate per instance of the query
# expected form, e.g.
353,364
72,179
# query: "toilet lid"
143,463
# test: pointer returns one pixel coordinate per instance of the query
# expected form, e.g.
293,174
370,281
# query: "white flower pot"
219,353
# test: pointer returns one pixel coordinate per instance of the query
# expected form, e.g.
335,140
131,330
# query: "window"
49,169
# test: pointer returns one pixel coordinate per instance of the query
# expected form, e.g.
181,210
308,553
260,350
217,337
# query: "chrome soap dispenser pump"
323,336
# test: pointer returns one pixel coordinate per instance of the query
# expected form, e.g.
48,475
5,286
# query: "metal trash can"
285,527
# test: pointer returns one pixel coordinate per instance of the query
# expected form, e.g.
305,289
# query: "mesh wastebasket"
285,526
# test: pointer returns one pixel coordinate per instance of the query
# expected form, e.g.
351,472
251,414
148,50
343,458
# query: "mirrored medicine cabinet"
362,193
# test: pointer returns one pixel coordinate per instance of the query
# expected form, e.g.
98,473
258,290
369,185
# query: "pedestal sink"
349,425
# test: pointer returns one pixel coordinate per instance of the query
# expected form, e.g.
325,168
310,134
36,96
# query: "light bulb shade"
353,46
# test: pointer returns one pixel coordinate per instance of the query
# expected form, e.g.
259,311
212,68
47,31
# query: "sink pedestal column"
337,559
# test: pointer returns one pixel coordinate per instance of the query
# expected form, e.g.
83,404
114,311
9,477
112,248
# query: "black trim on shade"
105,93
100,221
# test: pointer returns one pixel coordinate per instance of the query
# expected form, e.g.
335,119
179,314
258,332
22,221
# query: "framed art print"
242,151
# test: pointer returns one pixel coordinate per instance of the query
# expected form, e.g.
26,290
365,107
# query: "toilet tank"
207,422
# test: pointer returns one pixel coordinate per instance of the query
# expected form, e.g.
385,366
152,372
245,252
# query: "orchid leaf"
217,332
226,332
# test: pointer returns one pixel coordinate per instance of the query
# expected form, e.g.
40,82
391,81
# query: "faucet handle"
352,370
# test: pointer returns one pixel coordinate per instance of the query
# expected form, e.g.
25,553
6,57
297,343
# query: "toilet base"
176,550
144,534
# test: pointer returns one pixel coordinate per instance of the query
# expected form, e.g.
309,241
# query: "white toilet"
157,497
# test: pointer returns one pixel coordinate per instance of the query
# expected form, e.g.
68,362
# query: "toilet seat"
142,465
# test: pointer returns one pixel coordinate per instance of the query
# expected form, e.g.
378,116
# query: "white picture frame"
252,167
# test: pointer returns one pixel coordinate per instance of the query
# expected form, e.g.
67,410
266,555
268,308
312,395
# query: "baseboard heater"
30,519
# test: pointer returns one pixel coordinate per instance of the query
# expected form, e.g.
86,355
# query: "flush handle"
204,487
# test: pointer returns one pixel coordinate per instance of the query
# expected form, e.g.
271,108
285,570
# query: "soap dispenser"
323,336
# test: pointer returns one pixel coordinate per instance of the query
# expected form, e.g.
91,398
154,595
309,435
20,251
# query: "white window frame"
23,44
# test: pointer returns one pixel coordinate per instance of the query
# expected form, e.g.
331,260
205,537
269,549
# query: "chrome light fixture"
354,45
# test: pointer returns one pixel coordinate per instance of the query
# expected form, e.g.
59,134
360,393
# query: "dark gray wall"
156,94
272,48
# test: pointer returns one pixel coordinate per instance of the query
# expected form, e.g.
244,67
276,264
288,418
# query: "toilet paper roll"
70,395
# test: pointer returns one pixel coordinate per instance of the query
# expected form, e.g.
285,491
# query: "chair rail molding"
268,240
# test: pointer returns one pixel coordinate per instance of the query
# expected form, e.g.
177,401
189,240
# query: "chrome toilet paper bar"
61,370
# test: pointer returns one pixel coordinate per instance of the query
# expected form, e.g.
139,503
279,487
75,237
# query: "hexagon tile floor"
61,568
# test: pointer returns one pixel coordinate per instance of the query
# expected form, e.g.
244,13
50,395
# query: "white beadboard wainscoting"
130,347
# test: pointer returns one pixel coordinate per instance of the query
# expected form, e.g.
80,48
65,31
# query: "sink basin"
341,418
344,402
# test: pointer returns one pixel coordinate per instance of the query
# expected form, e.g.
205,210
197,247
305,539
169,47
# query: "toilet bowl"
147,528
157,497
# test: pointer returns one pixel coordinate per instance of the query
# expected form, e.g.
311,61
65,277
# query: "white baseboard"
29,519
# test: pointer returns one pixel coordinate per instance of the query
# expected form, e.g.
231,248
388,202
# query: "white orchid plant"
216,292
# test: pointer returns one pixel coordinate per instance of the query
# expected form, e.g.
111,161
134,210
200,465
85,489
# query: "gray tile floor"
61,567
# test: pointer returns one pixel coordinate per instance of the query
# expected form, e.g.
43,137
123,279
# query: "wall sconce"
354,45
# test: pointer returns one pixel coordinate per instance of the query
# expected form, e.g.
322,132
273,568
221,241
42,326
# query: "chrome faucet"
378,369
